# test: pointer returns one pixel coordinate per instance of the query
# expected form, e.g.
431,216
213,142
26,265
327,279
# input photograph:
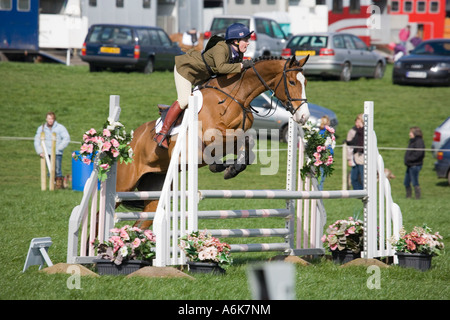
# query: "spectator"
62,141
355,139
414,162
324,122
403,35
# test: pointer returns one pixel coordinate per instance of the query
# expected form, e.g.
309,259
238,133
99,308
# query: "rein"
287,105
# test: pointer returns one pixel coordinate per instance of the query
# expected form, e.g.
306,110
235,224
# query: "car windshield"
311,42
441,48
111,35
221,24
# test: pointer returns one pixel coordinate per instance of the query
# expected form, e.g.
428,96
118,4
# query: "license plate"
305,53
112,50
416,74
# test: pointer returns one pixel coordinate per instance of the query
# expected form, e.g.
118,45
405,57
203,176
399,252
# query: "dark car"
129,47
428,63
277,117
442,165
334,54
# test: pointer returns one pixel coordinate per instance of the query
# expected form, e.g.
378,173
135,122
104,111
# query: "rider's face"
243,44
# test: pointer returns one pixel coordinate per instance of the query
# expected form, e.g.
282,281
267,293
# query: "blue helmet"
237,31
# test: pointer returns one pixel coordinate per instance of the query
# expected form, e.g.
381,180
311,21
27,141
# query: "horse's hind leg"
150,182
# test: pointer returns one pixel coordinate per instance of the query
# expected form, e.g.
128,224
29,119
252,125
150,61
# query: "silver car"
440,137
340,55
268,38
277,117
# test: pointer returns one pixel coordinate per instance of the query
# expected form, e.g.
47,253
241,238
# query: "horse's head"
291,89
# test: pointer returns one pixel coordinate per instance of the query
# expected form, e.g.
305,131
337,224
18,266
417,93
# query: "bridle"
288,103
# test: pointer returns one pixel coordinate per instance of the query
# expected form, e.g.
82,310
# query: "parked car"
268,38
442,165
278,118
129,47
336,55
428,63
441,135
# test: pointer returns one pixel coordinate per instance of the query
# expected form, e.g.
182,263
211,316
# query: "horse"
226,105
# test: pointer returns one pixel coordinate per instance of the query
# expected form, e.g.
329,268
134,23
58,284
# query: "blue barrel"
80,173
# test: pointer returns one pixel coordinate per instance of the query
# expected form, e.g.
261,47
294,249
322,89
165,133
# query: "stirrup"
160,143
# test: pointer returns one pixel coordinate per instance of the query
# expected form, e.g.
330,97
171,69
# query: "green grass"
80,100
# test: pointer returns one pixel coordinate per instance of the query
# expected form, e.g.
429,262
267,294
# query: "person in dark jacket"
413,161
195,68
355,140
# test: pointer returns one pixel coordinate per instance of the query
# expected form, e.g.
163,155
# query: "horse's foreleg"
245,156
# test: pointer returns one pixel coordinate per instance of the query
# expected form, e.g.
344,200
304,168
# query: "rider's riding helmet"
237,31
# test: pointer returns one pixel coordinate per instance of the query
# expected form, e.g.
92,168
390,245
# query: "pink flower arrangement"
201,246
344,235
127,243
112,144
419,240
318,151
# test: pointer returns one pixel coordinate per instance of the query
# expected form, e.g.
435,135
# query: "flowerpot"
341,257
106,267
419,261
205,267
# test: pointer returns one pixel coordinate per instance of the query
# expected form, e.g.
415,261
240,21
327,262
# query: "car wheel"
149,67
379,72
346,72
448,177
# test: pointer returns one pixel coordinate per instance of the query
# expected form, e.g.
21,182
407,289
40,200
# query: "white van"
267,40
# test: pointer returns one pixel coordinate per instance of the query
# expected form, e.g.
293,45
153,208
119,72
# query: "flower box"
205,267
341,257
205,253
107,267
419,261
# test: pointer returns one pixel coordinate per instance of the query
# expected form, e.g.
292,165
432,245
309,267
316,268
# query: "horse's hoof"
233,171
217,167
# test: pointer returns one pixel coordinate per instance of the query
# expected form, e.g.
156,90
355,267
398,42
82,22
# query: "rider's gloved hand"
248,63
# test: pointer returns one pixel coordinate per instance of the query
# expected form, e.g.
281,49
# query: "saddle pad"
176,129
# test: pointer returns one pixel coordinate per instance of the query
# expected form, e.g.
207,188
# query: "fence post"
43,165
110,183
370,182
52,163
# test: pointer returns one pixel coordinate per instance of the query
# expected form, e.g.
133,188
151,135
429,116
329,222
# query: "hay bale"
160,272
365,263
62,268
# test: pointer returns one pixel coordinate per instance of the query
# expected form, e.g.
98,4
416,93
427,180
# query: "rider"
195,68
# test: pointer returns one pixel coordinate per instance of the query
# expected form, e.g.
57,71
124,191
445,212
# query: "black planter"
205,267
341,257
419,261
106,267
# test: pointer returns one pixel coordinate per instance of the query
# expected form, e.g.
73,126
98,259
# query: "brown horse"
226,101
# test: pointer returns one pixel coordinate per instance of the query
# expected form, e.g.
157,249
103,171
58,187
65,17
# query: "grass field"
80,100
